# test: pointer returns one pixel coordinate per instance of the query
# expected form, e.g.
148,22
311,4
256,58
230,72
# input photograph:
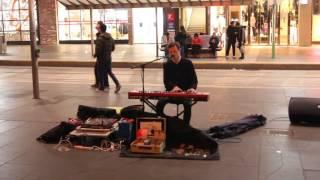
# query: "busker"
178,75
104,47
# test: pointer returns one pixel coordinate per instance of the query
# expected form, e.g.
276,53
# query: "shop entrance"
257,18
194,19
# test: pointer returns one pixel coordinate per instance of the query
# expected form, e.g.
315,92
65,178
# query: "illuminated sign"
171,17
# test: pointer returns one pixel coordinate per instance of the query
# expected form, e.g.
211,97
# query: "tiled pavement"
263,153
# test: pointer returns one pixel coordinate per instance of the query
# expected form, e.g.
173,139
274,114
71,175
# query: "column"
305,24
130,26
48,22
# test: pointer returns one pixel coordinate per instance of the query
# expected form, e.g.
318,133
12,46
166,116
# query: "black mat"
168,155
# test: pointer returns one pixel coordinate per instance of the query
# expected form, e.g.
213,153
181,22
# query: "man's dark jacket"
182,75
104,46
232,33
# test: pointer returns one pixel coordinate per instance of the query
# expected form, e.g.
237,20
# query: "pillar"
305,24
130,26
48,22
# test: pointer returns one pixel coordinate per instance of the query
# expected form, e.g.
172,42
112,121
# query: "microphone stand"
143,66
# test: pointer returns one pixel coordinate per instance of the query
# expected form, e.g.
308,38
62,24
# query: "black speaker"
304,110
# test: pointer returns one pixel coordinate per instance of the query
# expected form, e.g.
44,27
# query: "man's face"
98,27
174,52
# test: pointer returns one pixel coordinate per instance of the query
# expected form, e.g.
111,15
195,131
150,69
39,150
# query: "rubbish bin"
3,44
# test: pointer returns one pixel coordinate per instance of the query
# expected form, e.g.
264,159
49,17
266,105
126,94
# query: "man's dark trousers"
186,105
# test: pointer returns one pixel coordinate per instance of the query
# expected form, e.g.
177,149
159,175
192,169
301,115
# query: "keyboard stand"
149,103
154,108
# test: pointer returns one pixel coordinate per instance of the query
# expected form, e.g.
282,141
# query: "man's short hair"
172,44
103,27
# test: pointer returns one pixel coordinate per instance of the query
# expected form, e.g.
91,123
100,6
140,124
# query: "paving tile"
257,154
312,175
279,164
310,159
14,172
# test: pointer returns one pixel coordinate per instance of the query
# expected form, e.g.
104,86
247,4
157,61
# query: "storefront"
316,21
255,17
137,25
14,20
144,25
74,25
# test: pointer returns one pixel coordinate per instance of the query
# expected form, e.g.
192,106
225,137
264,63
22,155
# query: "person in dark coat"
214,42
181,38
232,33
104,47
241,38
178,75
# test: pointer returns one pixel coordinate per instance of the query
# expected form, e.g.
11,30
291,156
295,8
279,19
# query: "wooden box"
154,139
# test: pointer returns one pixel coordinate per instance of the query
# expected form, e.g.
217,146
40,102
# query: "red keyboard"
198,96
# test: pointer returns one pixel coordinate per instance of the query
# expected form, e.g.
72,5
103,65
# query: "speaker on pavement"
304,110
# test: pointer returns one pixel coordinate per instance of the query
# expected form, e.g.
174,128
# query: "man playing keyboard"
178,75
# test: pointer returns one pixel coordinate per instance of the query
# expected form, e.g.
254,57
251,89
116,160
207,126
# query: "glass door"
259,22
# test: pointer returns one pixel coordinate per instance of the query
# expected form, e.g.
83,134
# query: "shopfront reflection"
14,19
74,25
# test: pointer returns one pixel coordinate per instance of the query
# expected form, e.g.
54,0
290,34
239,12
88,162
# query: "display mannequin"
252,25
221,23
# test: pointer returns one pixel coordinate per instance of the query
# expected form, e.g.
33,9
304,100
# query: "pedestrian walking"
104,48
181,38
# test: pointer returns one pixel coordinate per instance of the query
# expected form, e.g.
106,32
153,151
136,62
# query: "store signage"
171,17
171,25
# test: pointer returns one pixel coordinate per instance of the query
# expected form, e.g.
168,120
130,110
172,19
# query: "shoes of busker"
117,89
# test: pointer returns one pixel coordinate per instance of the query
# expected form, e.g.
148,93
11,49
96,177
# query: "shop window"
12,25
10,15
85,16
75,31
25,35
74,15
75,24
10,5
316,28
24,4
24,15
25,25
316,21
15,20
13,36
64,32
86,31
